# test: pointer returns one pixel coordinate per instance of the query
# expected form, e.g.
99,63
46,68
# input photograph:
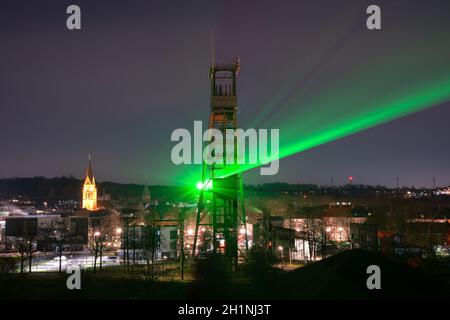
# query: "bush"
7,264
259,263
212,277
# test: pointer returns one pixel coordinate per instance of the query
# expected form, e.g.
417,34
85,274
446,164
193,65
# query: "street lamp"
280,248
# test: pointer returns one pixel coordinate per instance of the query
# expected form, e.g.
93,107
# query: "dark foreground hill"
344,276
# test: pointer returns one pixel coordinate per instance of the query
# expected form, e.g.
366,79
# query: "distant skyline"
136,71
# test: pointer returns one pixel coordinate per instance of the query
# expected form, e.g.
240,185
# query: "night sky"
139,69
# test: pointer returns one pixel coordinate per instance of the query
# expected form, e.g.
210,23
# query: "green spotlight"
204,185
199,185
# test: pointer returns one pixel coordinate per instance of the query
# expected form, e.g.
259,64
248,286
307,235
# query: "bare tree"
26,245
133,243
323,238
30,249
21,246
60,236
313,230
128,220
150,243
98,237
94,245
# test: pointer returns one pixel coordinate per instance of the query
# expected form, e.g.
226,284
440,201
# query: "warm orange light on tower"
89,190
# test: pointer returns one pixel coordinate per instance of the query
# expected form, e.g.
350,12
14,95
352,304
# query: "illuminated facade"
89,190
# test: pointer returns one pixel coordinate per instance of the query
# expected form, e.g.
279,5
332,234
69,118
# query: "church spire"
89,189
89,171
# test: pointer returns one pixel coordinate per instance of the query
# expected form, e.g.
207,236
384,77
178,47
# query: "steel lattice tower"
226,195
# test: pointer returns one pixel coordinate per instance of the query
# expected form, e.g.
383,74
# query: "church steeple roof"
89,171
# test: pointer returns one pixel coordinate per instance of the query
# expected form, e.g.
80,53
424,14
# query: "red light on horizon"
350,178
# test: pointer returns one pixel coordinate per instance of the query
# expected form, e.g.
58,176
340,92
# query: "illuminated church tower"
89,190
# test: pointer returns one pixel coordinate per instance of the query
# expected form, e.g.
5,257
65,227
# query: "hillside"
343,276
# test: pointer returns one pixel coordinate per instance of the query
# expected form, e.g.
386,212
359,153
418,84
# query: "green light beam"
410,103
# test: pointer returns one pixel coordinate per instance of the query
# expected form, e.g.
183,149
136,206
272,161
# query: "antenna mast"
212,49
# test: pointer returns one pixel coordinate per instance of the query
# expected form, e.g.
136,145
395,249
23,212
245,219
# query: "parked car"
111,259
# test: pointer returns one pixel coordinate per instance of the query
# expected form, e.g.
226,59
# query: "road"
48,265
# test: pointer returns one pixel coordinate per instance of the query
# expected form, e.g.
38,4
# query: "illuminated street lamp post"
280,248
